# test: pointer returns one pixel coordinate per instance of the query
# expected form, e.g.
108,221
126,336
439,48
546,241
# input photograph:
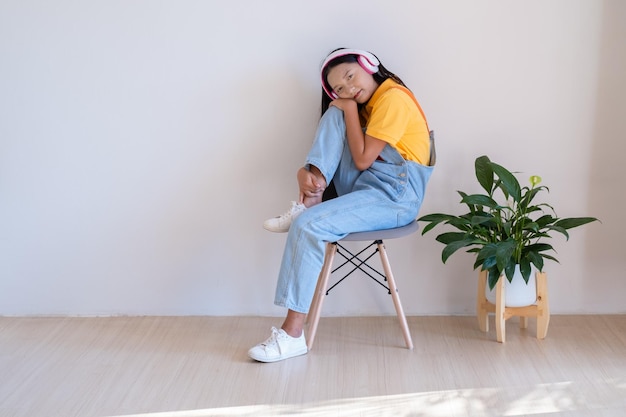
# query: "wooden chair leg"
481,302
313,317
543,313
500,310
395,296
316,294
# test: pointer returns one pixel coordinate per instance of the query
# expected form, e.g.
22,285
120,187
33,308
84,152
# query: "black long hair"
380,76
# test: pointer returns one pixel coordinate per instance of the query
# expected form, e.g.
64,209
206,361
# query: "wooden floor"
198,367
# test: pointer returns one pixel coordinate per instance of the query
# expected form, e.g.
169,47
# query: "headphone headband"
366,59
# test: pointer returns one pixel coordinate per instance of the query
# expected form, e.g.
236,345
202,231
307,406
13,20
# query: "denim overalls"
386,195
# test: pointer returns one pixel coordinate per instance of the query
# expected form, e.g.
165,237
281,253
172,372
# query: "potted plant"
505,235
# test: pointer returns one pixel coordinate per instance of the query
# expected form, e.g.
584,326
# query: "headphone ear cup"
367,65
366,60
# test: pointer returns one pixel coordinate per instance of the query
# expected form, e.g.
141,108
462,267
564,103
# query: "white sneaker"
279,346
281,223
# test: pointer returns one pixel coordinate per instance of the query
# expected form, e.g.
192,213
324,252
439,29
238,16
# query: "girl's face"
350,80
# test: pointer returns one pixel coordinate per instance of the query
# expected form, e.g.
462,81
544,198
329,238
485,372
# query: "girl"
373,143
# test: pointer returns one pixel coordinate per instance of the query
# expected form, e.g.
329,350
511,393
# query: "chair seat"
384,234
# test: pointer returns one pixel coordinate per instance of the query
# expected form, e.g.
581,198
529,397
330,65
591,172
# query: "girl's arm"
364,148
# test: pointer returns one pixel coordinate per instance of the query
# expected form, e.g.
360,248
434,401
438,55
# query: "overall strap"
406,90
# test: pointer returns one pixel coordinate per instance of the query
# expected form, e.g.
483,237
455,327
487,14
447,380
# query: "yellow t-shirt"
392,116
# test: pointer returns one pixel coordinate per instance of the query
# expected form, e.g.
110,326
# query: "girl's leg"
330,155
323,160
328,145
294,323
362,210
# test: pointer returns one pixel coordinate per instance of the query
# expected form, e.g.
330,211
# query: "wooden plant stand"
540,310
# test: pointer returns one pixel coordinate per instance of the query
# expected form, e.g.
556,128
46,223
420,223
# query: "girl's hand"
310,186
344,104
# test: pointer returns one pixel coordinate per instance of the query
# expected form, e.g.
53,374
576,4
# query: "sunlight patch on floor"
540,399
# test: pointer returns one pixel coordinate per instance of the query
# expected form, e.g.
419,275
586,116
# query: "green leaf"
525,269
487,251
552,258
507,228
545,220
530,195
428,228
480,200
560,230
531,226
494,276
572,222
450,237
455,246
484,265
509,183
476,220
504,253
488,263
537,247
436,217
484,173
509,271
532,209
536,259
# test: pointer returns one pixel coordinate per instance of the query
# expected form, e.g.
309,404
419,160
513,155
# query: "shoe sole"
280,358
275,230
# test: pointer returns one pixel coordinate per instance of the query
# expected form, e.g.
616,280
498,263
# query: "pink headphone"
366,59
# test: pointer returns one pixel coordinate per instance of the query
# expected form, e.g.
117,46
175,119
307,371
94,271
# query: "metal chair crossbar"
350,259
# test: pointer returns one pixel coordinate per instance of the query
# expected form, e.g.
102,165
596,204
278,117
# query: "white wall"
143,143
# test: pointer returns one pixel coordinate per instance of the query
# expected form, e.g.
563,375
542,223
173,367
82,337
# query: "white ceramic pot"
516,293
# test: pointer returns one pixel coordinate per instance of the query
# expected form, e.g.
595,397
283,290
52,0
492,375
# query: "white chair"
358,261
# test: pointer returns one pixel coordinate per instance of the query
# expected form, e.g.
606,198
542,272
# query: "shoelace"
290,212
272,340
